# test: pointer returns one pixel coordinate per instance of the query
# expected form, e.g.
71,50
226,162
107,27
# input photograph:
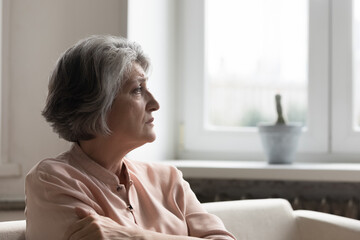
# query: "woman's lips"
149,121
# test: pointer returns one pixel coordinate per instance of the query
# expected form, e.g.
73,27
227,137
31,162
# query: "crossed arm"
93,226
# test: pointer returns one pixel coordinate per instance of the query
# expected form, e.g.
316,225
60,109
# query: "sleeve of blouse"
200,223
50,202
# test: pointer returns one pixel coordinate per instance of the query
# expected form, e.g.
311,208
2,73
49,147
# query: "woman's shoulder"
53,167
156,176
153,168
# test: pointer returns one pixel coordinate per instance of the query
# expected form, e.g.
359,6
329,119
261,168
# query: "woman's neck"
104,153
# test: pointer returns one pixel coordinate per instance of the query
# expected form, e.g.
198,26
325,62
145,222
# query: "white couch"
274,219
265,219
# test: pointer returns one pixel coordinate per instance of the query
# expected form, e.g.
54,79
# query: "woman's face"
130,118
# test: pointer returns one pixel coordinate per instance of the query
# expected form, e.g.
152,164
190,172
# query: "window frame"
7,168
317,141
345,137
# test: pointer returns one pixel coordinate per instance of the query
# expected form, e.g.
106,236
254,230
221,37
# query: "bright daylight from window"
255,49
356,61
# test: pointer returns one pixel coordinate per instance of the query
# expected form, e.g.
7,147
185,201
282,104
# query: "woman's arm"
200,223
96,227
50,202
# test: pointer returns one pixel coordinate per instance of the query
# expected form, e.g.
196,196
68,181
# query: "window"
261,51
235,55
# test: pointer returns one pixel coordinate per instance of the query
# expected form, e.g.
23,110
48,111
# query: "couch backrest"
270,219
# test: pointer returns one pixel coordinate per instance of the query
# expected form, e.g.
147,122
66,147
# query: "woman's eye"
137,90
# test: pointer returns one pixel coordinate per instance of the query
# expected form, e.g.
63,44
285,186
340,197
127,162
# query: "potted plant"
280,140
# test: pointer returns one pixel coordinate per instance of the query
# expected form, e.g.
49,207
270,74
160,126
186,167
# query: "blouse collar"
95,169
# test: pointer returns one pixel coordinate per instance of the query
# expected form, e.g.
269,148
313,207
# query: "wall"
153,25
39,30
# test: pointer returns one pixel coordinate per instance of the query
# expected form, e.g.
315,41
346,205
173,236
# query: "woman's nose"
152,104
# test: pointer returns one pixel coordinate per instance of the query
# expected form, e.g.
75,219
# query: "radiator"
347,208
339,198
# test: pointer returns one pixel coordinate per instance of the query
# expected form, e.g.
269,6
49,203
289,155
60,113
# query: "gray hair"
85,82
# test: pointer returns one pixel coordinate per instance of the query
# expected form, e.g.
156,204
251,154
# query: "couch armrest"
12,230
270,219
316,225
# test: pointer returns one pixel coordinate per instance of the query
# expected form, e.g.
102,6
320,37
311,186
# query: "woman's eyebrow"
136,80
142,79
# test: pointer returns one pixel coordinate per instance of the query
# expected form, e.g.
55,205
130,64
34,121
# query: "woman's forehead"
137,73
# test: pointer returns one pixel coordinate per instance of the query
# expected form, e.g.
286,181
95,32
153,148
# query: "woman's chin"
148,138
151,138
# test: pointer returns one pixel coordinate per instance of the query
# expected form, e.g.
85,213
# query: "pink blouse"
157,199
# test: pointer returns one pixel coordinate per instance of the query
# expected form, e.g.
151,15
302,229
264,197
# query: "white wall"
39,30
153,25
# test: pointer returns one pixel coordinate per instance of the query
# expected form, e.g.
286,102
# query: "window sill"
8,170
325,172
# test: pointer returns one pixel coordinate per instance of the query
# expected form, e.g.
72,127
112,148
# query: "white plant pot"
280,141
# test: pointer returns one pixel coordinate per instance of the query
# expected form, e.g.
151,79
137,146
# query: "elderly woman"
98,99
